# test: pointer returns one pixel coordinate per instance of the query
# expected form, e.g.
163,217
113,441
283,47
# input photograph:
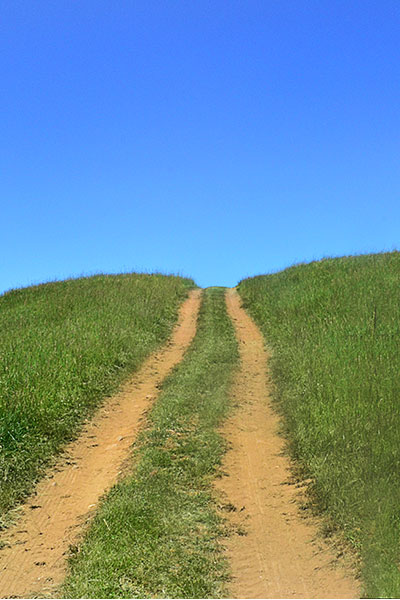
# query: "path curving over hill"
33,560
281,554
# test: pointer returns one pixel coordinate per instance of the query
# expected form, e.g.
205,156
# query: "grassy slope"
334,330
63,347
155,534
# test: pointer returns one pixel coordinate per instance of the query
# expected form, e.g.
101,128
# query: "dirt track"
282,555
34,560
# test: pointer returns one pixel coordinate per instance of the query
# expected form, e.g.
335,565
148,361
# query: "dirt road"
282,555
33,562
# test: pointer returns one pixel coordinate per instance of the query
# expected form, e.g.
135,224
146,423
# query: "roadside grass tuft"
64,346
333,327
156,532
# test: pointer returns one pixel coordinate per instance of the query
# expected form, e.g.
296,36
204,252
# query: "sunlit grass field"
64,346
334,330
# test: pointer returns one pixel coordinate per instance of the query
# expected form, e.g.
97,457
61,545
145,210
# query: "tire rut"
34,558
281,554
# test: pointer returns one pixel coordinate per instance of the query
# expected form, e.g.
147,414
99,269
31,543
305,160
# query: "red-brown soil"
33,562
282,554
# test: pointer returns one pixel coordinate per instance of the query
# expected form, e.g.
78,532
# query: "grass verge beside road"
156,533
64,346
333,327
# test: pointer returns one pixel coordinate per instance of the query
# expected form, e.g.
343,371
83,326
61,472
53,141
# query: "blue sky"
216,139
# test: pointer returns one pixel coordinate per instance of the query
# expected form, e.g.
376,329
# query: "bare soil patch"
33,559
278,551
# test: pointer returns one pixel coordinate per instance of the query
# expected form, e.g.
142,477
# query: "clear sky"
216,139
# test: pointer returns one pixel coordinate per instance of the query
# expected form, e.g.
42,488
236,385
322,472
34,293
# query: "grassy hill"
64,346
334,328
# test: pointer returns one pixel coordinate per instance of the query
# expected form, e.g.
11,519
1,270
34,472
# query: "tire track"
33,560
281,555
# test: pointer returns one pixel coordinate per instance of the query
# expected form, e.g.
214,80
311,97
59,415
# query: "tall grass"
64,346
333,327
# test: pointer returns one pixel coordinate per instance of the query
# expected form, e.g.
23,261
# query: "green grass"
64,346
334,329
156,533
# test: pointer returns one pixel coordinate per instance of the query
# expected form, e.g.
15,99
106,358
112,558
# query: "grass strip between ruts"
156,533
